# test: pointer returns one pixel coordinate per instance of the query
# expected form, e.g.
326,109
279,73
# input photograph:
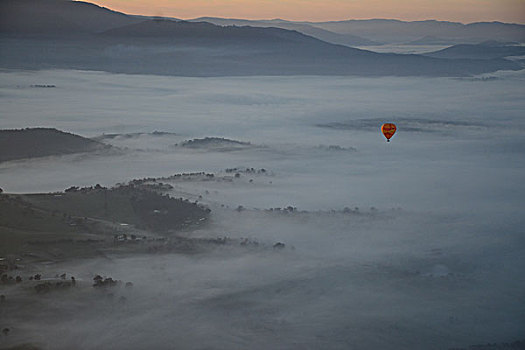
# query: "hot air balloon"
388,129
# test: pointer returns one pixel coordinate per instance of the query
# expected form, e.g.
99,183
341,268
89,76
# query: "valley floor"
292,224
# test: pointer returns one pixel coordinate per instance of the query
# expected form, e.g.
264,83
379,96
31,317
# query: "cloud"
421,276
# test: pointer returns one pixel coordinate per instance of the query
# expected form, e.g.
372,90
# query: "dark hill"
40,142
274,51
210,33
488,50
168,47
216,144
58,17
312,30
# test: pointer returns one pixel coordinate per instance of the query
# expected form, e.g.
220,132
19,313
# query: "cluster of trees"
246,170
292,209
288,209
97,187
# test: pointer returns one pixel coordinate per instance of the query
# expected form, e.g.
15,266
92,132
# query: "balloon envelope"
388,129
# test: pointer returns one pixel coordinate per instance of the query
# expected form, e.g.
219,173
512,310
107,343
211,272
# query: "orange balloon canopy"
388,129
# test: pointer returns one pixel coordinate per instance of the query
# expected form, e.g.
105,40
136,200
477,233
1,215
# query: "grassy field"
32,234
143,208
80,222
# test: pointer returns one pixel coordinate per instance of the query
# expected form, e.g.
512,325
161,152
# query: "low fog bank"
405,49
436,263
389,280
458,146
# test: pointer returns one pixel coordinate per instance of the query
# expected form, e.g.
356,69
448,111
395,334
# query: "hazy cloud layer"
443,271
452,133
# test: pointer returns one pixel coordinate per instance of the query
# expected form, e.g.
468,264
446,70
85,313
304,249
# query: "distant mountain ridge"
308,29
396,31
383,31
65,16
88,37
183,30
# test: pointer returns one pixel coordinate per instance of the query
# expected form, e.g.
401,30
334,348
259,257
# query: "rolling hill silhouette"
77,35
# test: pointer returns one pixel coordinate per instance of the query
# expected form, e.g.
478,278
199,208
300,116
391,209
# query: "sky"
465,11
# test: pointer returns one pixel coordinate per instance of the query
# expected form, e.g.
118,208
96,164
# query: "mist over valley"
236,192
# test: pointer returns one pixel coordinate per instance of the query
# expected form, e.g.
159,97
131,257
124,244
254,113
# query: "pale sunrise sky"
465,11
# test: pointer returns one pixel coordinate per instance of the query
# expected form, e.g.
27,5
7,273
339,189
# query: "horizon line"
335,20
303,20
